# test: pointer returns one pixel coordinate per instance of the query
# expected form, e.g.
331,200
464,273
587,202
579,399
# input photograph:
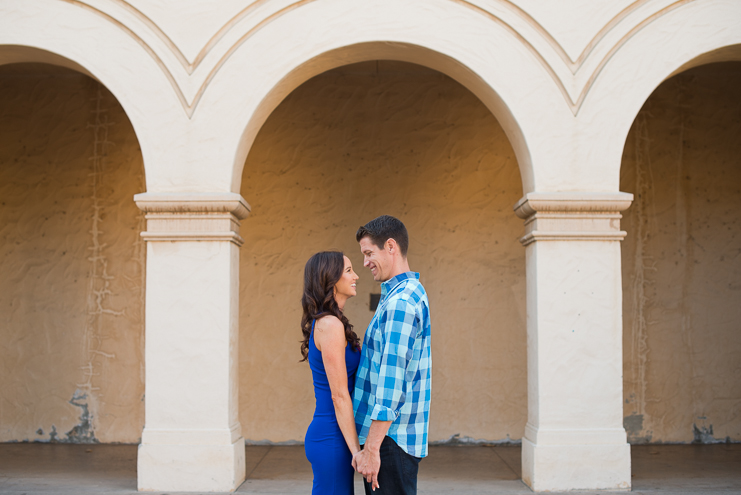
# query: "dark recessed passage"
374,300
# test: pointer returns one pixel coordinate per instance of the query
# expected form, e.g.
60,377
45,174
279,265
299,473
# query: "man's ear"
391,245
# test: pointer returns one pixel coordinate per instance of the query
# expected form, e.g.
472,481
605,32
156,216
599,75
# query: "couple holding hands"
372,402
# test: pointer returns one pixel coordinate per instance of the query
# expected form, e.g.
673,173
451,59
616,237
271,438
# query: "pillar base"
553,468
191,468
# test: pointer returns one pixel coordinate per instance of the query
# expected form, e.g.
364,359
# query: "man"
392,387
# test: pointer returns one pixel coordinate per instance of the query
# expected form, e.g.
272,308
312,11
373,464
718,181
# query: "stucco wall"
682,261
345,147
312,177
71,298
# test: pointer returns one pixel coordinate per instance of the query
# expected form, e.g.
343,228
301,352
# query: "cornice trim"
193,236
570,216
193,216
566,202
537,235
193,203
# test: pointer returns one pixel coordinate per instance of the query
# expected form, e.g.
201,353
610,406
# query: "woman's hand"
368,464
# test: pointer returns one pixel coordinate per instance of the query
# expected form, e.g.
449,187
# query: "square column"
192,439
574,438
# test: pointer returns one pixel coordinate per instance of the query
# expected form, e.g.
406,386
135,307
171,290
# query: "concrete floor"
33,469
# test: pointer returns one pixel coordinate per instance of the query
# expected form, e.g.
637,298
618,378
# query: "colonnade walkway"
35,469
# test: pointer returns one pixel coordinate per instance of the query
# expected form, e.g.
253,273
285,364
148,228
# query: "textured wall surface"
345,147
71,313
682,261
71,298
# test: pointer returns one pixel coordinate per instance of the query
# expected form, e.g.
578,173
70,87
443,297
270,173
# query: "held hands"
368,464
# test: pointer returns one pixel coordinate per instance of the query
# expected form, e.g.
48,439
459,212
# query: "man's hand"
368,464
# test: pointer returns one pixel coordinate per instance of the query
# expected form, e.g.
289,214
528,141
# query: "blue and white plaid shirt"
395,371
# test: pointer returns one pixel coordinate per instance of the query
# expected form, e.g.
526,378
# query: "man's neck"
402,266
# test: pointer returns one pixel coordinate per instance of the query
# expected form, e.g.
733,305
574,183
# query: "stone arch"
397,52
309,178
72,255
678,267
123,65
695,34
487,58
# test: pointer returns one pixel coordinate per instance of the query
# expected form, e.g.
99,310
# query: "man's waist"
404,418
416,449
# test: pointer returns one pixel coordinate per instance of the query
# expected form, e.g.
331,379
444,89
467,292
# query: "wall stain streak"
83,432
684,239
704,434
644,183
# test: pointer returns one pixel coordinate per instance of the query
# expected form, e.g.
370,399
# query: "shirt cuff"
383,413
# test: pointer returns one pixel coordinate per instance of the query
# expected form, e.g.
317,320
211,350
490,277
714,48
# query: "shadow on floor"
33,469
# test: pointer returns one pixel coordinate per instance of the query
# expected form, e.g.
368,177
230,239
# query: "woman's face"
345,287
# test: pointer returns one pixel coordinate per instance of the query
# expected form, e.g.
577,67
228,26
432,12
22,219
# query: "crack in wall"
87,395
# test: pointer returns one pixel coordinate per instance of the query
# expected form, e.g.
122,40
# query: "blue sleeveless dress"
325,446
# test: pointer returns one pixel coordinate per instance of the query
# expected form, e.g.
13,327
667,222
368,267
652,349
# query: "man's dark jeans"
398,475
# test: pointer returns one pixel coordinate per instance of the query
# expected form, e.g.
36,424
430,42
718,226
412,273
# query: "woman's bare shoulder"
329,323
329,330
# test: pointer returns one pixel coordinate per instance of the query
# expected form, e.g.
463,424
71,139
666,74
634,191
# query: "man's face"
377,259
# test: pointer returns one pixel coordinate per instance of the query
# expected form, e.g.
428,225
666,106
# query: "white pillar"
192,439
574,437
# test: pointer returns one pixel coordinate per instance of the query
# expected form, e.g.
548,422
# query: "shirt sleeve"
399,329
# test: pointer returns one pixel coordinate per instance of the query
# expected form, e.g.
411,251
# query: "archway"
347,145
399,52
680,259
73,261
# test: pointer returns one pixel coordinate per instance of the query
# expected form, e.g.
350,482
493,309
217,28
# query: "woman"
333,351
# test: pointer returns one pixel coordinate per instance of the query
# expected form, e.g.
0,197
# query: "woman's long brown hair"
321,274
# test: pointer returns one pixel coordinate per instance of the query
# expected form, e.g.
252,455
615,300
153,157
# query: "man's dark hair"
383,228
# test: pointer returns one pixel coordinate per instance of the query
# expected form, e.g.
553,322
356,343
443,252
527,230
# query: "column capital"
563,216
193,216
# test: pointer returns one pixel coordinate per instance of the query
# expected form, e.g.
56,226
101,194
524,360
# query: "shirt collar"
391,283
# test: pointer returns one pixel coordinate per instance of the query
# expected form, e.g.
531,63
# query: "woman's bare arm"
329,337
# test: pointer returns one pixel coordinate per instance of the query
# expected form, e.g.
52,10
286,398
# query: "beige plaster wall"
682,261
71,317
345,147
71,298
